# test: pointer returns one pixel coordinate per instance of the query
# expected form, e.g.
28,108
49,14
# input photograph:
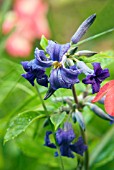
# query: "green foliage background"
26,150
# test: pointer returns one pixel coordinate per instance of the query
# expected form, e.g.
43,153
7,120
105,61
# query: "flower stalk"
86,161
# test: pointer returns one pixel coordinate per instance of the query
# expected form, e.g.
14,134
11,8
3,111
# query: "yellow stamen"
56,64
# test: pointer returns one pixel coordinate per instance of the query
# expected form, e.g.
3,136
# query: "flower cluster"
65,67
64,138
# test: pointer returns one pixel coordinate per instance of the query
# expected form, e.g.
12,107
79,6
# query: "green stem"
42,101
93,37
45,109
86,161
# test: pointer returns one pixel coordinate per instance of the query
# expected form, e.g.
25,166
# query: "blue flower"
97,77
64,138
60,77
34,71
64,73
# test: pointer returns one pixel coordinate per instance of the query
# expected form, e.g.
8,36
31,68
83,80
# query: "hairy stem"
86,161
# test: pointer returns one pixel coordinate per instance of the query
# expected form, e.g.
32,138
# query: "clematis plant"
66,64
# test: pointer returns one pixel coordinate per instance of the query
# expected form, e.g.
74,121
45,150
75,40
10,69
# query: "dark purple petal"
30,77
97,68
66,151
49,93
79,147
82,29
43,80
96,86
104,74
42,60
47,140
56,51
89,79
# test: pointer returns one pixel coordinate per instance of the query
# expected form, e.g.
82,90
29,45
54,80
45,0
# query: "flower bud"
86,53
82,29
99,112
77,116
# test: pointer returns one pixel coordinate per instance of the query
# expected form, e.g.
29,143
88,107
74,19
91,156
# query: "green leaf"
44,42
20,123
101,145
57,119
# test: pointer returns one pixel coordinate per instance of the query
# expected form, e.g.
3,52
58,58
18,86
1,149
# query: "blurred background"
22,23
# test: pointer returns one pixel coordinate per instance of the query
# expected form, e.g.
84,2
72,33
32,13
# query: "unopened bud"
82,29
77,116
99,112
84,68
85,53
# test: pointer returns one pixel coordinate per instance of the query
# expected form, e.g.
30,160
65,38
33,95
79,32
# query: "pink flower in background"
28,19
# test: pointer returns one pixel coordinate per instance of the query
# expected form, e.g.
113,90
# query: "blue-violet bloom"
34,71
97,77
64,138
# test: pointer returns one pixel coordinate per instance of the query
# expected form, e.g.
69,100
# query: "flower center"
56,64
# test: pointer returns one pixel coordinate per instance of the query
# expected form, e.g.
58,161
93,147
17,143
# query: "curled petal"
70,75
63,77
56,51
82,29
47,140
25,65
79,147
30,77
33,65
42,60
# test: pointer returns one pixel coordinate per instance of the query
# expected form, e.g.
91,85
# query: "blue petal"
79,147
43,80
33,65
47,140
70,76
30,77
82,29
65,137
56,51
42,60
63,78
25,65
66,151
